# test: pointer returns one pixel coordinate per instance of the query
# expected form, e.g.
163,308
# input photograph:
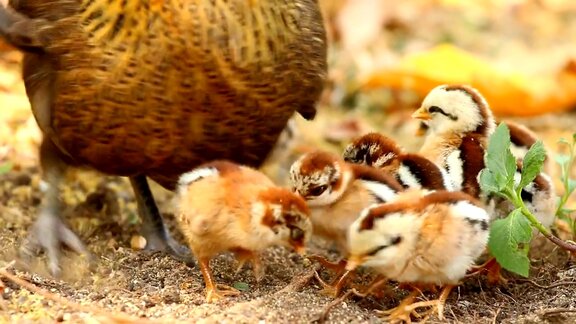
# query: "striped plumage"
411,170
337,192
154,88
161,86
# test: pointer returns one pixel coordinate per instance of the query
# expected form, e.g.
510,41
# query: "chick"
521,138
223,206
426,239
459,123
411,170
337,192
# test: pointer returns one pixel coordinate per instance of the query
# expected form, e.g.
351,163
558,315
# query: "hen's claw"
47,234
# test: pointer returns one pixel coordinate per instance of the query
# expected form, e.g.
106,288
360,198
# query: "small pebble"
137,242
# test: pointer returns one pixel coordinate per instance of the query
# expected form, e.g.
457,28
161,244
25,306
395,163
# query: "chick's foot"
408,308
214,294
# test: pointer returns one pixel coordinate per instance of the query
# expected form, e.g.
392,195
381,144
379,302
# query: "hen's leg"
157,236
49,230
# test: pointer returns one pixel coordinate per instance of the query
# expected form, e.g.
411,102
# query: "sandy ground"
154,286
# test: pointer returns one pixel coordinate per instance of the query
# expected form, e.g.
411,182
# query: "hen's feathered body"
156,87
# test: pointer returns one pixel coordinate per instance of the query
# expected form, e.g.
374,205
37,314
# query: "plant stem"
561,243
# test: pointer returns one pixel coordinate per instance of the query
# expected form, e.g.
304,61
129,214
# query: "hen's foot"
154,230
48,234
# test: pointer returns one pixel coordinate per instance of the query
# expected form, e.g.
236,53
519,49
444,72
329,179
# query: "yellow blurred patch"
509,94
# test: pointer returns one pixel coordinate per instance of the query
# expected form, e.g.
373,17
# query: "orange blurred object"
509,94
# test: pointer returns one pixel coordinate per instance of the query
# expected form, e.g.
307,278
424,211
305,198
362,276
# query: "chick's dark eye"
296,234
396,240
376,250
317,191
435,109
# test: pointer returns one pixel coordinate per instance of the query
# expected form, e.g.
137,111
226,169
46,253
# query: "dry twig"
554,285
495,319
555,311
107,314
377,283
299,282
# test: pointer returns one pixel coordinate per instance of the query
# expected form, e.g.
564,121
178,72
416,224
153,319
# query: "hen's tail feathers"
20,31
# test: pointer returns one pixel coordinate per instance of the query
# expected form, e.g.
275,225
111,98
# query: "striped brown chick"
431,239
521,138
411,170
337,192
459,123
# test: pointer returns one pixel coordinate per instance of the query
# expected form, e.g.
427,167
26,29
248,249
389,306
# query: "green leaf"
6,167
242,286
571,186
133,218
488,182
561,159
562,140
499,160
564,214
508,240
532,163
574,137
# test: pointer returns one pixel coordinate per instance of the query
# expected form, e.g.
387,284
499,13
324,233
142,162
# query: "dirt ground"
154,286
128,285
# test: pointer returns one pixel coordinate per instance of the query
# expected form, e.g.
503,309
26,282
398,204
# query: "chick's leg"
493,269
49,230
437,304
243,256
342,276
400,312
333,288
157,236
338,267
212,292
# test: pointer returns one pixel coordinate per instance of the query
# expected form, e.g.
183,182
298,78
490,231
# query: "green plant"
566,161
510,236
5,167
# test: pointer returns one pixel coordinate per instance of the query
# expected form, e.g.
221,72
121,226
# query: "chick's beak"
354,262
422,114
300,249
421,131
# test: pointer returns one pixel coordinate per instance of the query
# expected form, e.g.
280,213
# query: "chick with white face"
431,239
